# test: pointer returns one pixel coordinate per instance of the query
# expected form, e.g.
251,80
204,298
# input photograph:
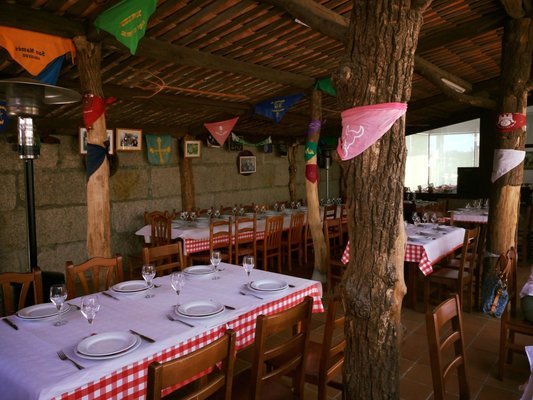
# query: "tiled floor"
482,335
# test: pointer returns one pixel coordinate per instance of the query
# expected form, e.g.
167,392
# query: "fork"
171,318
64,357
251,294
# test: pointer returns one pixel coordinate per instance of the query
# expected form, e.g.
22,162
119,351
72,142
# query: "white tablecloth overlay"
528,390
436,242
31,369
476,215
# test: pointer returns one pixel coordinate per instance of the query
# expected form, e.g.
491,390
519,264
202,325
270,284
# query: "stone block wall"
136,187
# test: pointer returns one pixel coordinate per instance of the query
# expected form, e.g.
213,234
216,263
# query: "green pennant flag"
311,148
158,149
127,21
240,140
325,85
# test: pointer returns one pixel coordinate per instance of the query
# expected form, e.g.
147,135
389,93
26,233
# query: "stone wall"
60,196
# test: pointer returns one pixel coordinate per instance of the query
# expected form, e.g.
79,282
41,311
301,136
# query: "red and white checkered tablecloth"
198,245
130,381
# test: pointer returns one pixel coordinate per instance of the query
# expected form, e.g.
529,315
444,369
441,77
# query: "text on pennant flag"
363,126
276,108
221,130
127,21
33,50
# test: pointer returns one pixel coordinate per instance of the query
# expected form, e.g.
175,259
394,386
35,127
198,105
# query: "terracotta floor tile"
493,393
413,390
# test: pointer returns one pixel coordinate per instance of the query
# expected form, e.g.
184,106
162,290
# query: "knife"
110,295
11,324
148,339
229,307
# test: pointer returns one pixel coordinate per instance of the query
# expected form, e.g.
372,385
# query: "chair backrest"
160,229
273,232
291,351
330,212
332,357
165,258
220,236
149,214
170,373
245,235
469,251
506,265
20,282
94,275
333,235
296,228
446,347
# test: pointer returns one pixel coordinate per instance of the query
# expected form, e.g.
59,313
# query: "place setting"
48,311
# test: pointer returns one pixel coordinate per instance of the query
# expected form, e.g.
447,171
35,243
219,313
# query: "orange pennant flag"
33,50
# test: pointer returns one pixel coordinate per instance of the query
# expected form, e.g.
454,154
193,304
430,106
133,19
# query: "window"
434,156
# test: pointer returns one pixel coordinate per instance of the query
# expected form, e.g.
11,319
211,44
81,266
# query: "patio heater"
27,98
327,165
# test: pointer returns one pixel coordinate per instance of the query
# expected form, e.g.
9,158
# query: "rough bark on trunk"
377,68
187,182
98,206
517,47
313,206
291,157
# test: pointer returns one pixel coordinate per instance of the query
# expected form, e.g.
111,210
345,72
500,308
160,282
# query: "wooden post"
291,156
187,180
313,206
517,48
98,208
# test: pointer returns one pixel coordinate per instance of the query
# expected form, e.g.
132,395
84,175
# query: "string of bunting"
240,140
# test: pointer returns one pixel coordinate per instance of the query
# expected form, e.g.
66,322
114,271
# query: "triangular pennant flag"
325,85
505,160
221,130
127,21
363,126
33,50
94,107
159,149
276,108
4,117
50,74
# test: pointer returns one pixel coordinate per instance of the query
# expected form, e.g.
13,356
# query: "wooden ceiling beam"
514,8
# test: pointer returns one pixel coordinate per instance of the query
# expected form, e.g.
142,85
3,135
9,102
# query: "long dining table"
31,369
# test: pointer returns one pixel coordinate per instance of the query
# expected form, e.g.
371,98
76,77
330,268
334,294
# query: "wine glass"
425,218
215,261
177,281
89,308
434,218
416,219
248,264
148,272
58,295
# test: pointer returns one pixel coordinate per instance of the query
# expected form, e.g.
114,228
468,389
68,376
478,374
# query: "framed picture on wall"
129,139
247,164
192,148
528,161
110,142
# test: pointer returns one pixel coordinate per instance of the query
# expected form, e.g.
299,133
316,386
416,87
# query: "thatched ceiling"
217,58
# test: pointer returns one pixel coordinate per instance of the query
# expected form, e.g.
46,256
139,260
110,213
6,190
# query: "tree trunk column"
291,156
187,180
517,48
98,207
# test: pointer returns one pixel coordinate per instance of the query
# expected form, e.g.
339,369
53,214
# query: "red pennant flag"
507,122
311,172
93,108
221,130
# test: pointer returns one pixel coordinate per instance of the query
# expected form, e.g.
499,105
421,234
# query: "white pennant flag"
505,160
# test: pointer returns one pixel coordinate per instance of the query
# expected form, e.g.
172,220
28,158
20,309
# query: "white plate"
268,285
106,344
130,286
200,309
199,270
107,357
41,311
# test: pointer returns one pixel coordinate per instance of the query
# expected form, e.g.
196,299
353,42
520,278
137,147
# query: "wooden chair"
512,319
446,347
245,238
14,283
90,273
333,236
324,360
161,224
173,372
293,241
275,359
166,258
330,212
335,266
460,277
220,238
308,242
270,247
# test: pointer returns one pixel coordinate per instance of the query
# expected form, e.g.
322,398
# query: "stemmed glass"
215,261
148,272
58,295
248,265
89,308
416,219
425,218
177,281
434,218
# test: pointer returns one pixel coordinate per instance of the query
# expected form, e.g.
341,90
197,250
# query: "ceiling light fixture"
453,85
301,22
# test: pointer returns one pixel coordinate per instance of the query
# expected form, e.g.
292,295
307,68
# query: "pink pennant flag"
221,130
363,126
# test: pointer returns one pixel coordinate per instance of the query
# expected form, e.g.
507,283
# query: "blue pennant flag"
276,108
159,149
50,74
4,117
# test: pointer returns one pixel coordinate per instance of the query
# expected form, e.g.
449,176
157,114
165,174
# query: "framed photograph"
129,139
528,161
247,165
83,141
192,148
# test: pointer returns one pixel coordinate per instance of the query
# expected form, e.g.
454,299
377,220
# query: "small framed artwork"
110,142
247,165
192,148
528,161
129,139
